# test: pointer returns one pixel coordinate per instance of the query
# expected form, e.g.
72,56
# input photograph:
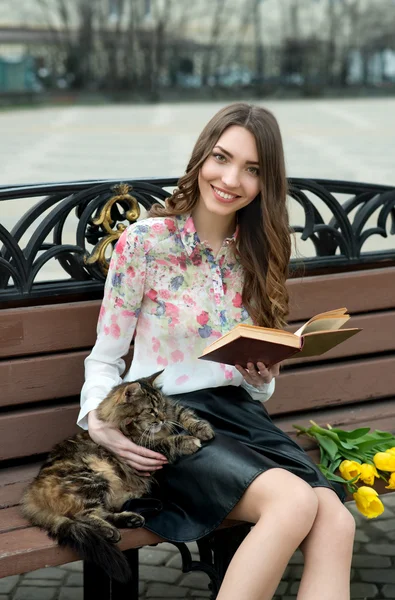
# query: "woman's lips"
221,198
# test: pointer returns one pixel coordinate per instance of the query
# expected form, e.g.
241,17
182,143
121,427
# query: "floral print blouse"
167,292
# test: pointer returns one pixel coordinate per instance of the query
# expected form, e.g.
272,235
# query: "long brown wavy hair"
264,242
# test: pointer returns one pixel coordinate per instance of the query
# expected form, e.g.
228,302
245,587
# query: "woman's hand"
258,374
143,460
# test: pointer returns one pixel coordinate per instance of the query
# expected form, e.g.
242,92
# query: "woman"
215,256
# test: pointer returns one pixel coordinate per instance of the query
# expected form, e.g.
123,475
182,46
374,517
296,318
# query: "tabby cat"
78,495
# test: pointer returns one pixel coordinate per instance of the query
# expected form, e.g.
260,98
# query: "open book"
249,343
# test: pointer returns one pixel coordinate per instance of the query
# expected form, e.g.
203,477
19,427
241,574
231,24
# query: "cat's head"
138,409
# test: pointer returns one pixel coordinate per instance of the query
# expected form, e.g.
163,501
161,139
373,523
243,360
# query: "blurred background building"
159,49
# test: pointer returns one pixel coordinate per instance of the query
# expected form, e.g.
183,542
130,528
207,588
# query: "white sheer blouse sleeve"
119,311
263,393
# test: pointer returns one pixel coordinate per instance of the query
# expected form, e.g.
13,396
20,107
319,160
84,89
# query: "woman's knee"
335,516
342,524
280,495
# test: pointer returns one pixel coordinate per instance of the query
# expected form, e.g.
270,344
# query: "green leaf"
379,445
335,465
349,455
328,444
348,446
352,435
332,477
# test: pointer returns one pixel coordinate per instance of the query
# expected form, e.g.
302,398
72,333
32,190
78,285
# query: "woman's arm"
123,295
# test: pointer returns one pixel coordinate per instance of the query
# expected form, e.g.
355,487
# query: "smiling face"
229,178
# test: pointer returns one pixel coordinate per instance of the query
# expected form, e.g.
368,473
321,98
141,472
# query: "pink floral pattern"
167,292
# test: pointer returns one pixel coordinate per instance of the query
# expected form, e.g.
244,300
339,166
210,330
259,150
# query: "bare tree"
72,25
210,58
256,12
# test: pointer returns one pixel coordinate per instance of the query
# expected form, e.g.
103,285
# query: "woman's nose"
231,178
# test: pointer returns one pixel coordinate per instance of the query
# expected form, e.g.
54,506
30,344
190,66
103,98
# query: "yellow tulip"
350,469
368,473
368,502
391,451
391,482
384,461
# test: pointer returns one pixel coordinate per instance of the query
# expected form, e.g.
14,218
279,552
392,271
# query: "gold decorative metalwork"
104,220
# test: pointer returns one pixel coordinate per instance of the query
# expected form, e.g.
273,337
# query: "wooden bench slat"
377,335
378,414
13,481
25,550
334,384
59,376
28,549
11,495
12,519
297,390
359,291
29,432
39,329
52,377
53,328
29,380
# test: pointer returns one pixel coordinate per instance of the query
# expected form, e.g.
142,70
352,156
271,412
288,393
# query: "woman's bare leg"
283,508
328,551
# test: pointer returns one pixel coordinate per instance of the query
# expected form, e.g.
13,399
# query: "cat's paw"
134,520
112,534
204,431
190,445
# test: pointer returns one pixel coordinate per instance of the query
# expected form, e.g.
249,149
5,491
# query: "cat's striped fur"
78,495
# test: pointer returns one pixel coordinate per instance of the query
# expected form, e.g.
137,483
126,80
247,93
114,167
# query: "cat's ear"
151,379
131,391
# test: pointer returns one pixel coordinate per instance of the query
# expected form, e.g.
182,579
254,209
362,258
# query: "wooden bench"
42,349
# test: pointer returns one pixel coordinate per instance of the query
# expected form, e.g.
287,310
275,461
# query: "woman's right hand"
143,460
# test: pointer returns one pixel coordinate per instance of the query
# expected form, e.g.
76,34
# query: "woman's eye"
253,170
219,157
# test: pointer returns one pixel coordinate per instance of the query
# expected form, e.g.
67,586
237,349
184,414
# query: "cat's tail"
83,537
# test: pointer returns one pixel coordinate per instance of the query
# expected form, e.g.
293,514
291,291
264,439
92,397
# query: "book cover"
249,343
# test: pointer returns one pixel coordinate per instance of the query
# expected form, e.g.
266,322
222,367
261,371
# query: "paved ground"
337,139
352,139
347,139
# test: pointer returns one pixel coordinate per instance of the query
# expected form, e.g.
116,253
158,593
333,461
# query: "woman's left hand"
258,374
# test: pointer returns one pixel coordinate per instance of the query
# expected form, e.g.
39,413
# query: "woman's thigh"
275,489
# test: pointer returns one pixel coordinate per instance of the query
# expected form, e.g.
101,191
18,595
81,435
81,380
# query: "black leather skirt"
199,491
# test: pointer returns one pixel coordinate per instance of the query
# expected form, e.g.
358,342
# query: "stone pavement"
373,570
348,139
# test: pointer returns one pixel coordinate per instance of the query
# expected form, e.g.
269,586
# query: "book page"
327,324
330,320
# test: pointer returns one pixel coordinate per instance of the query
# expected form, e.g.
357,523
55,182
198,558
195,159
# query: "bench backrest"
42,350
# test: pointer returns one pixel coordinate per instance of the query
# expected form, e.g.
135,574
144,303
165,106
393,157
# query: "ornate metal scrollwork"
62,244
106,220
